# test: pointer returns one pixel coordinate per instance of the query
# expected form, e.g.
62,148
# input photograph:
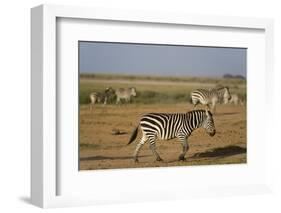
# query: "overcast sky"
166,60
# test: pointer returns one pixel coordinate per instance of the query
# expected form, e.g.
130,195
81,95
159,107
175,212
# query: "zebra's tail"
134,135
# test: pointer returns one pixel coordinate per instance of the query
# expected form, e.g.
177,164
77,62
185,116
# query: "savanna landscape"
105,129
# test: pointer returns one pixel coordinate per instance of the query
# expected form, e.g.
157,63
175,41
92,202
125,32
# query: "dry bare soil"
105,132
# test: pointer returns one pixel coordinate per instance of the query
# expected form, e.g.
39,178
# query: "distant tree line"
234,76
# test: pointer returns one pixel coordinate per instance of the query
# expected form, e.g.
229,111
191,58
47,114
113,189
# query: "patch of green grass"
152,97
149,92
215,80
144,97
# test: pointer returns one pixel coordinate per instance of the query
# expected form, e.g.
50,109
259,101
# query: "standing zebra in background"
235,100
98,97
168,126
210,97
125,93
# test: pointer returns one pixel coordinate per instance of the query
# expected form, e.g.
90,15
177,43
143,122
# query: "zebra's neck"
195,119
221,92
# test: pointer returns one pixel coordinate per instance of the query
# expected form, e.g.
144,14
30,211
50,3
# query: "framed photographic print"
130,105
155,99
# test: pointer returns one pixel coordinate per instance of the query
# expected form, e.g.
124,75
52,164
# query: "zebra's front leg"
214,108
117,100
185,148
140,144
105,101
194,104
152,146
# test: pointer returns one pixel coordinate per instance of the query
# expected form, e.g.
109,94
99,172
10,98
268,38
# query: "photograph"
161,105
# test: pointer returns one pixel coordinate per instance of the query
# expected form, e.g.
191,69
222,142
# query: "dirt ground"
105,132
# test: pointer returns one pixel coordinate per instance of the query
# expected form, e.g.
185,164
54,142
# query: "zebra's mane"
199,115
201,111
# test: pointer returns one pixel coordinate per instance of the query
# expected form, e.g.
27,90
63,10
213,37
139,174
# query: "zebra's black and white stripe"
210,97
168,126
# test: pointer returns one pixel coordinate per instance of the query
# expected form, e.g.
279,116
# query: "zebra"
211,96
236,100
125,93
168,126
98,97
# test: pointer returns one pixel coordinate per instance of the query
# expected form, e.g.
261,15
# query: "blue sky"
161,60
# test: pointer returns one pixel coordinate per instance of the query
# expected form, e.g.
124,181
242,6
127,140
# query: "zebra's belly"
166,137
158,135
204,102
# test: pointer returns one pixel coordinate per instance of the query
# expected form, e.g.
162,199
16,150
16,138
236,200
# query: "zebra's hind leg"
152,146
185,148
140,144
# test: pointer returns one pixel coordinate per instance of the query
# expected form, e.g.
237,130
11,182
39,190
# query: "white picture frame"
45,153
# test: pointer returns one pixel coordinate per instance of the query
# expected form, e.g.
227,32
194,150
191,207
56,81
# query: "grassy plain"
102,148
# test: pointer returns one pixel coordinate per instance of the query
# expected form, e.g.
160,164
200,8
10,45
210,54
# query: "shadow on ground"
99,157
217,152
221,152
226,113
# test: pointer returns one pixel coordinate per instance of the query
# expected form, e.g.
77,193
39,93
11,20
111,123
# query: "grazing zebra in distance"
98,97
168,126
125,93
235,100
210,97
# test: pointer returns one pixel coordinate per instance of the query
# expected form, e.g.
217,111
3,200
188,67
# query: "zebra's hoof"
182,158
159,159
